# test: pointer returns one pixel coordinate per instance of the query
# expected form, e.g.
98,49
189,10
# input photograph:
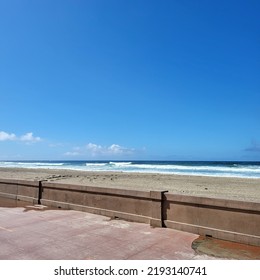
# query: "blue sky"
132,79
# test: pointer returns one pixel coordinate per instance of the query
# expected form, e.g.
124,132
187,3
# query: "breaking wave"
219,169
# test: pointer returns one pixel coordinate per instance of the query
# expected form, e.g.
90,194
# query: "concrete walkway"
37,232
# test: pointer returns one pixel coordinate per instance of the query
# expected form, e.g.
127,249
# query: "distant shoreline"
244,189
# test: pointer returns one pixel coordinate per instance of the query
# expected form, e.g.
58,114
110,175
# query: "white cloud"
114,149
4,136
96,150
117,149
28,137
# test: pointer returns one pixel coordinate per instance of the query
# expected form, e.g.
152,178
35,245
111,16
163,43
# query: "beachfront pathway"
36,232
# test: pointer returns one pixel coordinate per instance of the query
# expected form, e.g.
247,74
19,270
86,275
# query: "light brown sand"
218,187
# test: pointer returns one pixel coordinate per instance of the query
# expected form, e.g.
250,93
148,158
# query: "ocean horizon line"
124,160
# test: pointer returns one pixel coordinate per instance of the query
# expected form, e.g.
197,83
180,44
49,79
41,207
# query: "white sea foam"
46,164
123,163
245,170
197,168
96,164
31,164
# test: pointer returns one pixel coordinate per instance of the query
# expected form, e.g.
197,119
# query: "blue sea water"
199,168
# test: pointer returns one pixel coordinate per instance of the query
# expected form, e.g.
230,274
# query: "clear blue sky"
130,79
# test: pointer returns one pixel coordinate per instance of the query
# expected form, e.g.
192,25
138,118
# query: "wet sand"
216,187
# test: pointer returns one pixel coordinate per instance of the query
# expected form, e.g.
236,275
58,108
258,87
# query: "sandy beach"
216,187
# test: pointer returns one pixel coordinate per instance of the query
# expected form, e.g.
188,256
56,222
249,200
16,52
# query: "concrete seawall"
20,190
224,219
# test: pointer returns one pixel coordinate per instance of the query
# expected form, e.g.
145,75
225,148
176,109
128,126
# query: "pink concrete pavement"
37,232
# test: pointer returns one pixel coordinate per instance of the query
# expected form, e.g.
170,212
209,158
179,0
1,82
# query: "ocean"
191,168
